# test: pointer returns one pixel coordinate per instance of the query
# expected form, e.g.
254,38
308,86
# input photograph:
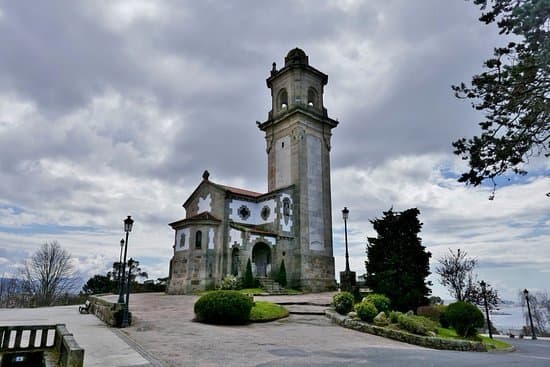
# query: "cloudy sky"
115,108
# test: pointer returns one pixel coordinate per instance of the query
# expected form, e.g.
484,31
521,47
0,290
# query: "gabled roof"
233,190
201,217
236,190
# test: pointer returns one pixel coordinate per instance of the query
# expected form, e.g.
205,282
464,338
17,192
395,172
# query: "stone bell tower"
297,133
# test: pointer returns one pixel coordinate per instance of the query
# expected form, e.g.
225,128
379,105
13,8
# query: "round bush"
223,307
366,311
464,317
381,302
343,302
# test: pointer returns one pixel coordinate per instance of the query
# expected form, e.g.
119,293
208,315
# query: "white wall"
205,204
286,224
185,245
255,211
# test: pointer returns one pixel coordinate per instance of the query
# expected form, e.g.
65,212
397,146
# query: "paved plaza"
165,334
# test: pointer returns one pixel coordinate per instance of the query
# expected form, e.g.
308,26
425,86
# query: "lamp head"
525,292
482,284
128,223
345,213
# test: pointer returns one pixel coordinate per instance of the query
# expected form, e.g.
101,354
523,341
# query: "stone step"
270,285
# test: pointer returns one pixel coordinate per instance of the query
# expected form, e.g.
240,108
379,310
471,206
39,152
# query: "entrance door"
261,257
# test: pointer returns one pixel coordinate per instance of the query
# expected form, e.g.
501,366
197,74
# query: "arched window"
198,239
283,99
312,97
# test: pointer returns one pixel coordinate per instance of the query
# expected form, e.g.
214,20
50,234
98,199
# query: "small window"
286,207
312,97
198,239
243,212
265,212
283,99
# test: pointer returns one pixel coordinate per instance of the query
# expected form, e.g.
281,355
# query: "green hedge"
366,310
416,324
380,301
223,307
464,317
343,302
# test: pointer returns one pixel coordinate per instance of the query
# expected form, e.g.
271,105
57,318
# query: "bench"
53,343
85,308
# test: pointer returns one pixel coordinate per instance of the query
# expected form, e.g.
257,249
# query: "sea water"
508,317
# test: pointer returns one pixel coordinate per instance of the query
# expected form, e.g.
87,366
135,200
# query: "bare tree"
49,274
9,291
455,270
540,311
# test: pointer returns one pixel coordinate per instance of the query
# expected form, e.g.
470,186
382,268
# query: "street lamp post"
128,223
347,277
526,294
126,315
120,269
483,290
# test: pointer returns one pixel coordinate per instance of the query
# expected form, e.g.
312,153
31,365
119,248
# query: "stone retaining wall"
104,310
424,341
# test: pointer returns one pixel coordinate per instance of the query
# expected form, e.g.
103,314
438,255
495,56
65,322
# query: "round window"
244,212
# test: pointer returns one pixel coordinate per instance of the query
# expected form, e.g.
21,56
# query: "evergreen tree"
248,281
281,275
397,263
512,93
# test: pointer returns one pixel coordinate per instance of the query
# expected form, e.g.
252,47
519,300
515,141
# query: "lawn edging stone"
424,341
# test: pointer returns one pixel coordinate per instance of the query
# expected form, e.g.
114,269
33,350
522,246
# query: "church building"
225,226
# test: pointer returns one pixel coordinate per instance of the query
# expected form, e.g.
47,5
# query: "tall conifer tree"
397,263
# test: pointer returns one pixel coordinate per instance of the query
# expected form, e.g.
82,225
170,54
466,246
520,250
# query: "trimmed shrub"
432,312
281,275
248,281
366,311
381,302
465,318
223,307
394,316
411,324
343,302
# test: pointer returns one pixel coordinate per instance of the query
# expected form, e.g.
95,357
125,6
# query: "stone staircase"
270,286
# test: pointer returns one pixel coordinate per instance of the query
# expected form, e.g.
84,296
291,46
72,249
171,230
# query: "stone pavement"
102,345
164,334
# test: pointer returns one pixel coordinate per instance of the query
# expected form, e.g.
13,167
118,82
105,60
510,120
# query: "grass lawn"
252,291
488,342
267,311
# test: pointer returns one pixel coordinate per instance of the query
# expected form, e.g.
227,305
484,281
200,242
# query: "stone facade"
226,226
